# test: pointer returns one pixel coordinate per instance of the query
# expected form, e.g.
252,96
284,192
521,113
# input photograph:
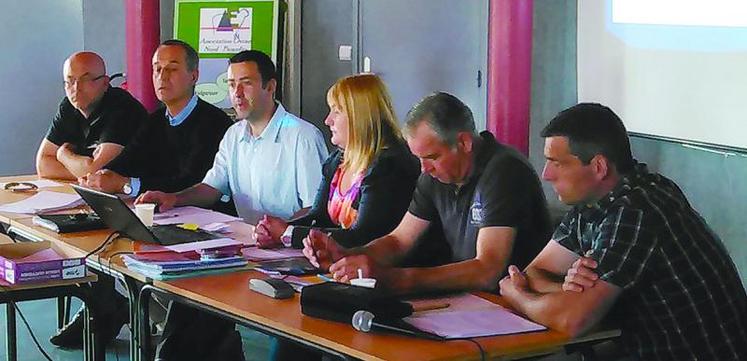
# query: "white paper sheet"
470,316
259,254
460,302
41,183
189,214
475,323
217,227
195,246
242,232
43,201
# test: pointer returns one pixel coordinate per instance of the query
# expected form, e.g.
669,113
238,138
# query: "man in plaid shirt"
631,247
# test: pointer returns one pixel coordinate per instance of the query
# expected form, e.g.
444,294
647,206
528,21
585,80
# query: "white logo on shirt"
475,211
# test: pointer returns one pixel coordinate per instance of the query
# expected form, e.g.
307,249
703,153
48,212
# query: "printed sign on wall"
218,29
225,31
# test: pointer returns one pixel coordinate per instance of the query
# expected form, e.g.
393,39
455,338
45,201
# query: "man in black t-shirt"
486,196
172,151
93,122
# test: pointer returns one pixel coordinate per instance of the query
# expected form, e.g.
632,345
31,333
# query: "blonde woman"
367,182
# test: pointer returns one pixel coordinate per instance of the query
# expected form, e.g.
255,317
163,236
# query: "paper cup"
145,212
363,282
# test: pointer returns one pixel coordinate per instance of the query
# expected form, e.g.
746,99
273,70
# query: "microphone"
364,321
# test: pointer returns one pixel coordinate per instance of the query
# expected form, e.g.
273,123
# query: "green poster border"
195,42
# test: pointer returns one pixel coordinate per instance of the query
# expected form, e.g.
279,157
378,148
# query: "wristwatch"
287,237
127,188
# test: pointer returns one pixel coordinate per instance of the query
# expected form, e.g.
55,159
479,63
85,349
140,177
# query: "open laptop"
119,217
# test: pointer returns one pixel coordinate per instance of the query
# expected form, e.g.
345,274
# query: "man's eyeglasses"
70,82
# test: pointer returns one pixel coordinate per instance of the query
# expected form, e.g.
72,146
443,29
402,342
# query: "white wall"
36,37
104,32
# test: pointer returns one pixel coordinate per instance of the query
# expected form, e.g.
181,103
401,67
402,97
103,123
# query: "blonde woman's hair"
372,124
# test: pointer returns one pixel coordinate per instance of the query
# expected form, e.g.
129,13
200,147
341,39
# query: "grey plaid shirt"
682,297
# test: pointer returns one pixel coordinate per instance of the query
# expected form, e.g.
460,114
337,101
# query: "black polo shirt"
502,190
115,120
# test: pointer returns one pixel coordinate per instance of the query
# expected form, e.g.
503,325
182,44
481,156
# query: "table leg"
10,342
588,354
61,317
89,335
143,316
94,348
133,295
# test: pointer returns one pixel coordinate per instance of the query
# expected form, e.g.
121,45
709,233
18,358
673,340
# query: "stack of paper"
163,264
44,201
158,263
187,259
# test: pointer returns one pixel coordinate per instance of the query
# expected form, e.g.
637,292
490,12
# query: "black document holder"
297,266
339,301
67,223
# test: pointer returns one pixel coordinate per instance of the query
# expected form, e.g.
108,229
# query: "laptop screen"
116,214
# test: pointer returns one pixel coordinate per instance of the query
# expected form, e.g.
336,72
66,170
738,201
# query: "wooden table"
7,196
228,295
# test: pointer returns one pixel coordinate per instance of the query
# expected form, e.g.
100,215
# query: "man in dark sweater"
172,151
177,145
94,121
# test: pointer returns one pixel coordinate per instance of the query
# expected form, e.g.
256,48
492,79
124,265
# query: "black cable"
111,237
111,258
120,253
479,347
33,337
116,353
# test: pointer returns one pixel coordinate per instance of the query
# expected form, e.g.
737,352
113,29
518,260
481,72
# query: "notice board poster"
218,29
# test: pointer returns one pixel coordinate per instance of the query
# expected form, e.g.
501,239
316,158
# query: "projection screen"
669,68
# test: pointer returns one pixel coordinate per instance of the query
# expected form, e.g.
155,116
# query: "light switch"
345,52
366,64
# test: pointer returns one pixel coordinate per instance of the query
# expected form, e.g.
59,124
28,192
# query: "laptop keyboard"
171,234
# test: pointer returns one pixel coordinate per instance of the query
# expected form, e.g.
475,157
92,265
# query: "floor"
43,324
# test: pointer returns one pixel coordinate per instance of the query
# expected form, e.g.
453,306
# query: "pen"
328,234
162,216
296,286
430,307
325,278
267,272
